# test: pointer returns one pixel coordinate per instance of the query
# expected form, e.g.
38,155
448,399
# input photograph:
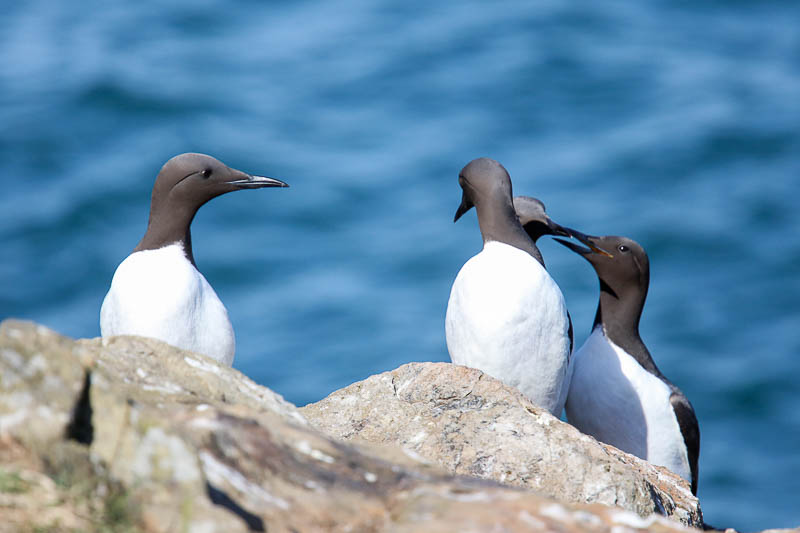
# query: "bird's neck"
502,225
619,314
169,223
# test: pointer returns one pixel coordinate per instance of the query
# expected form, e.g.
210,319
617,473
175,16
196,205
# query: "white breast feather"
614,399
160,294
507,317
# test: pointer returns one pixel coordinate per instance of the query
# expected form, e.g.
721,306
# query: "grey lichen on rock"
131,434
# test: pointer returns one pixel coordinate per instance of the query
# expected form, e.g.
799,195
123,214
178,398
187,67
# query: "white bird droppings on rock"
527,518
12,358
201,365
304,447
419,437
556,512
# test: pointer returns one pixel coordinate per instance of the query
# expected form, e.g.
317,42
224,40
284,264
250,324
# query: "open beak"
578,249
557,229
246,181
465,206
585,239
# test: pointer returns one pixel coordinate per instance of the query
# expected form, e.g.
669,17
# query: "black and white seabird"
157,291
617,393
506,316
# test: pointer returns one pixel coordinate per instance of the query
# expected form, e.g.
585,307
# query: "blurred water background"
674,123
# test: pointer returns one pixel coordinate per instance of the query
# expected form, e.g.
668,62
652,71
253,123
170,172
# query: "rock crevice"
80,428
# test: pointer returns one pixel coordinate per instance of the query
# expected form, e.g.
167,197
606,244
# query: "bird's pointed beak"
243,180
585,239
578,249
557,229
465,206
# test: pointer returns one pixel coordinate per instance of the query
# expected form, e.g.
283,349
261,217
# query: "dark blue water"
675,123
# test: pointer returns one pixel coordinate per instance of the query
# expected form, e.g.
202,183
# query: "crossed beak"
585,239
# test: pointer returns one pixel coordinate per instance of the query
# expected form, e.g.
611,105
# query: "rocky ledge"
131,434
473,425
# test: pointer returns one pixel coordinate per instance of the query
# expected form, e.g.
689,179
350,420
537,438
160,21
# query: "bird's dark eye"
623,248
206,172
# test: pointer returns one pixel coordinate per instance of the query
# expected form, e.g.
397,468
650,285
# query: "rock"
472,424
134,435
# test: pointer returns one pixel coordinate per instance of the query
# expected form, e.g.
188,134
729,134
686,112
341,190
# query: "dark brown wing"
690,430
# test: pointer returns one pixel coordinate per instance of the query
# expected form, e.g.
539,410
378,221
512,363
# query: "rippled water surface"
674,123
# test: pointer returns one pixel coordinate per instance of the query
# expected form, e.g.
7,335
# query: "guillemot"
506,316
617,393
157,290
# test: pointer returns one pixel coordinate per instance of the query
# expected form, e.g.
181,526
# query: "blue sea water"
674,123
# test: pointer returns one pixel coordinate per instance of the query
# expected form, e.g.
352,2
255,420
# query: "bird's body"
160,294
157,291
617,393
507,317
